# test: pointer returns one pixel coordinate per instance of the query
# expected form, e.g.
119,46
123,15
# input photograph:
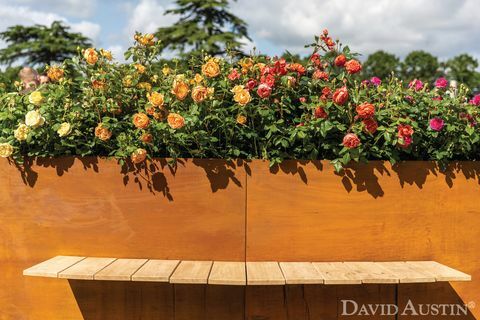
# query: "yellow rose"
140,68
155,98
91,56
138,156
34,119
175,121
106,54
211,68
21,132
102,132
6,150
145,40
198,78
127,81
55,73
180,89
247,65
237,89
35,98
145,85
65,129
199,94
242,97
166,71
241,119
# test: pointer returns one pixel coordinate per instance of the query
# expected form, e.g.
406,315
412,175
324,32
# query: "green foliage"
203,26
463,69
420,65
381,64
40,45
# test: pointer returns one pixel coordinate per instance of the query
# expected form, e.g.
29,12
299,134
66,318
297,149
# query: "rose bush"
254,107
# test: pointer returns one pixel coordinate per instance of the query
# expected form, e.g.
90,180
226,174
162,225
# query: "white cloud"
87,28
147,16
117,52
74,8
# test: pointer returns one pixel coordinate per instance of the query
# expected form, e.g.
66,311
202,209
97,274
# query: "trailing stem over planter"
255,107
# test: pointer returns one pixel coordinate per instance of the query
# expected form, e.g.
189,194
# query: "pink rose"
264,90
441,83
376,81
476,100
416,84
437,124
251,84
351,141
234,75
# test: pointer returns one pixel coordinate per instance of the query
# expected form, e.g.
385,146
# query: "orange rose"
98,84
141,120
370,125
175,121
156,99
55,73
242,96
340,96
211,68
146,138
241,119
351,141
340,60
365,110
102,133
91,56
180,89
320,113
199,93
140,68
138,156
353,66
246,64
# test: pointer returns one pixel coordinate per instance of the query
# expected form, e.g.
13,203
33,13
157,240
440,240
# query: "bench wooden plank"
156,271
439,271
264,273
120,270
228,273
406,273
85,269
336,273
192,272
300,273
370,272
52,267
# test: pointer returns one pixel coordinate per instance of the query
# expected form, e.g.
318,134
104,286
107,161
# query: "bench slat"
440,271
336,273
192,272
85,269
52,267
264,273
120,270
405,272
156,271
370,272
300,273
228,273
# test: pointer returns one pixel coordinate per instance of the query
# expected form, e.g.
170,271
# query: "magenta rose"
476,100
376,81
441,83
437,124
416,84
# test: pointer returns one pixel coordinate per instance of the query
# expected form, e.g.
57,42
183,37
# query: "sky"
443,27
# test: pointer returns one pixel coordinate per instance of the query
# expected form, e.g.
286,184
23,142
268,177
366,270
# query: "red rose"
280,67
370,125
340,96
405,142
320,113
351,141
302,99
340,60
365,110
264,90
315,59
353,66
251,84
404,130
319,74
234,75
269,80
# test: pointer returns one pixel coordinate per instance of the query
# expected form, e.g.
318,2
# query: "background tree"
203,25
39,45
420,65
381,64
463,69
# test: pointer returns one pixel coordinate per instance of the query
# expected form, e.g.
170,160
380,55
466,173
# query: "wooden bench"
241,273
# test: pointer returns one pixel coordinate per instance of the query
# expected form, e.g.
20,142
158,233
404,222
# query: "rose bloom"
55,73
141,120
476,100
353,66
237,88
404,130
365,110
127,81
242,97
326,93
291,81
140,68
251,84
21,132
376,81
211,68
98,84
370,125
138,156
340,96
180,89
35,98
264,90
269,80
351,141
166,71
297,67
241,119
416,84
199,93
64,130
441,83
246,64
234,75
6,150
437,124
146,138
175,121
102,132
340,60
90,55
320,113
405,141
106,54
315,59
155,98
320,75
145,86
302,99
34,119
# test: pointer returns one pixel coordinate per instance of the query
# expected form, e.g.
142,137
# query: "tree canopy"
420,65
381,64
204,25
39,45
